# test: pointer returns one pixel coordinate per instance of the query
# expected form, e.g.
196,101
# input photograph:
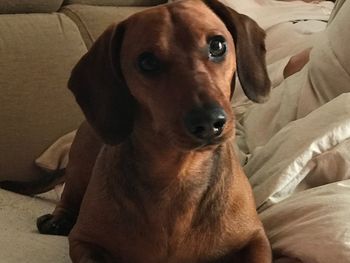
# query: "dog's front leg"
82,156
82,252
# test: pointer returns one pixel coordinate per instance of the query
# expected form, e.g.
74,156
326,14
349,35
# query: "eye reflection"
217,47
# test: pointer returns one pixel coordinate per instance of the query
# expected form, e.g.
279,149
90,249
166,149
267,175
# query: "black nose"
206,122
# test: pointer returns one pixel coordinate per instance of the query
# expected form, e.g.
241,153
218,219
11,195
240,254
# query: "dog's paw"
55,225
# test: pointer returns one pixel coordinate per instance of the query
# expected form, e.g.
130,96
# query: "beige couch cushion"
29,6
20,241
116,2
93,20
37,53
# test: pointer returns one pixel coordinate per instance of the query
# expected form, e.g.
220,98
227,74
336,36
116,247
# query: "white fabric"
276,169
312,226
56,156
298,150
268,13
321,80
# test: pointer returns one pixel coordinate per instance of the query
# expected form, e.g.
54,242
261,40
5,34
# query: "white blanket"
310,153
297,150
301,181
312,226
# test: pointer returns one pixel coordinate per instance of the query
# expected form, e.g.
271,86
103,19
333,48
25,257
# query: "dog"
152,175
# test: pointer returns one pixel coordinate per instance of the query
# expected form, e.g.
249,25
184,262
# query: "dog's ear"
249,40
100,89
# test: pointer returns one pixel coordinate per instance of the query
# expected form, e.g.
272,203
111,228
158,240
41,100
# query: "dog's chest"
175,242
171,228
157,246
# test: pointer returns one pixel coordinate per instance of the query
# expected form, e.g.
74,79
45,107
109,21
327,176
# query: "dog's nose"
206,122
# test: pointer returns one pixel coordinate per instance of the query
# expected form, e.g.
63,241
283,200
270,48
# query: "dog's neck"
157,178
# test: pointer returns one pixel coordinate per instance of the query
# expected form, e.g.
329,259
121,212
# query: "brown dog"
166,185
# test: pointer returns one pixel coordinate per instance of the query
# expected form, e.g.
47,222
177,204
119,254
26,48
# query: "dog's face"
180,71
171,69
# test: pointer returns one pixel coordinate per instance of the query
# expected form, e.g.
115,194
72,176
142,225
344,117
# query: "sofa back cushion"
37,54
49,6
116,2
93,20
29,6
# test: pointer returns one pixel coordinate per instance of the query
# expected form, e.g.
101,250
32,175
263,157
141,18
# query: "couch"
300,177
40,42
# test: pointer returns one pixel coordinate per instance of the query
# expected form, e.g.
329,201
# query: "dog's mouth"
213,142
186,142
209,145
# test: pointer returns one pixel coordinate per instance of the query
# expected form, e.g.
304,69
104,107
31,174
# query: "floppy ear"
100,89
249,40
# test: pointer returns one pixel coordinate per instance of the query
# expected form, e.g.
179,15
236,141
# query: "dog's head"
171,69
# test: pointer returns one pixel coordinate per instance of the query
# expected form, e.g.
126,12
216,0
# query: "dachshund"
152,175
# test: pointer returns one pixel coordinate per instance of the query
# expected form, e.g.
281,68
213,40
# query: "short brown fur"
139,187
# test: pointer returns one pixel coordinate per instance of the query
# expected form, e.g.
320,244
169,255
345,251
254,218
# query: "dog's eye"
148,62
217,47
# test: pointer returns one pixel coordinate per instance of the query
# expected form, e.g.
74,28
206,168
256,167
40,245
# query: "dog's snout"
206,122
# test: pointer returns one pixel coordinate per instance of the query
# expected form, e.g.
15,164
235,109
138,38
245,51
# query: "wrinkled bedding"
311,226
308,152
297,158
295,150
301,181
